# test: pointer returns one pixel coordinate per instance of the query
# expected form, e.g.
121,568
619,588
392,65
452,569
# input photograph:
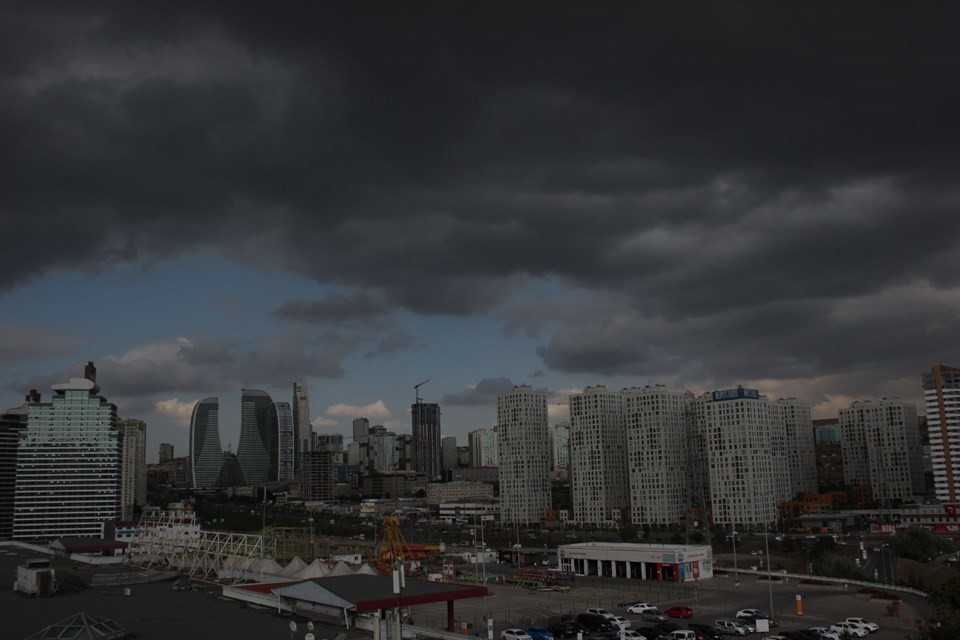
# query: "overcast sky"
201,197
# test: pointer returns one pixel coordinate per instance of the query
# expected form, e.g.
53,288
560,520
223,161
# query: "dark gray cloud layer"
748,188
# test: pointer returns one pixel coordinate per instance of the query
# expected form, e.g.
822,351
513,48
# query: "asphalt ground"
157,611
717,597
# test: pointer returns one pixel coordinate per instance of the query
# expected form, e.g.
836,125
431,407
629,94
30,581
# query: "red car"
679,612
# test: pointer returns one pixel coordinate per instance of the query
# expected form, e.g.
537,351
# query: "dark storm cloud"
484,393
22,342
392,342
337,309
734,176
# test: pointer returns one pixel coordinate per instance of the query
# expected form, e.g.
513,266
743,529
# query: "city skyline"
216,199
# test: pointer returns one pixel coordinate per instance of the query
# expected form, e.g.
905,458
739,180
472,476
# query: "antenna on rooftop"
416,390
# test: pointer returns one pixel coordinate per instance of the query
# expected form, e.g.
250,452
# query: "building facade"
427,457
303,431
794,420
133,476
735,427
631,561
13,423
880,445
206,454
286,447
657,461
598,457
68,464
457,490
483,447
448,453
258,437
560,446
524,456
328,441
941,398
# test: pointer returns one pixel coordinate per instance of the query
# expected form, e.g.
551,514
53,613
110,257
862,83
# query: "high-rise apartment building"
560,446
448,453
793,422
301,423
257,452
166,452
13,423
318,476
656,420
206,454
383,451
523,452
285,447
328,442
133,475
483,447
68,464
941,397
426,439
880,445
598,457
735,428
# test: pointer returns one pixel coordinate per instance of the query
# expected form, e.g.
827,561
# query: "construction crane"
416,390
393,550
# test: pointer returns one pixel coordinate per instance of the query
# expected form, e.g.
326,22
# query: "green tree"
918,544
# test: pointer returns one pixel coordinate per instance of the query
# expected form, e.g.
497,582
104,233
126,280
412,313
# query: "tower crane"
416,390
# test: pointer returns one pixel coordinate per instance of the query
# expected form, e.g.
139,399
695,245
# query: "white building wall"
523,450
483,447
560,446
801,458
941,396
657,468
736,427
881,448
598,457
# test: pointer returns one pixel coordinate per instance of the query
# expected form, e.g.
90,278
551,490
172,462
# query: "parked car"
600,612
823,633
679,612
682,634
539,633
707,630
565,629
595,622
641,607
653,616
651,633
854,629
514,634
731,627
620,621
871,626
750,617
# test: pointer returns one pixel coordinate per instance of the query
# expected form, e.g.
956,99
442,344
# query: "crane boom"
416,390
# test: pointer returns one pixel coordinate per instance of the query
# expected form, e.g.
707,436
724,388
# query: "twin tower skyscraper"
273,435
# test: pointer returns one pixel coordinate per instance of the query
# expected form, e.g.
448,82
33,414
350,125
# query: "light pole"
736,572
312,552
766,541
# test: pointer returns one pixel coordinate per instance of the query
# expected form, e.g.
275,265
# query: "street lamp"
312,552
736,572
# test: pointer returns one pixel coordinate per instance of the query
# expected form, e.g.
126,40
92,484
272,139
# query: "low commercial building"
458,490
632,561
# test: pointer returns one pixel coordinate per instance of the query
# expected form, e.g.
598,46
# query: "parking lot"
709,599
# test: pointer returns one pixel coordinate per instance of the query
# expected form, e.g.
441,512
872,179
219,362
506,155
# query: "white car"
620,621
633,635
871,626
641,607
514,634
753,613
824,633
854,629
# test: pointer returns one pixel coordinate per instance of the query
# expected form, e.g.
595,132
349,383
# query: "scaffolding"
173,539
